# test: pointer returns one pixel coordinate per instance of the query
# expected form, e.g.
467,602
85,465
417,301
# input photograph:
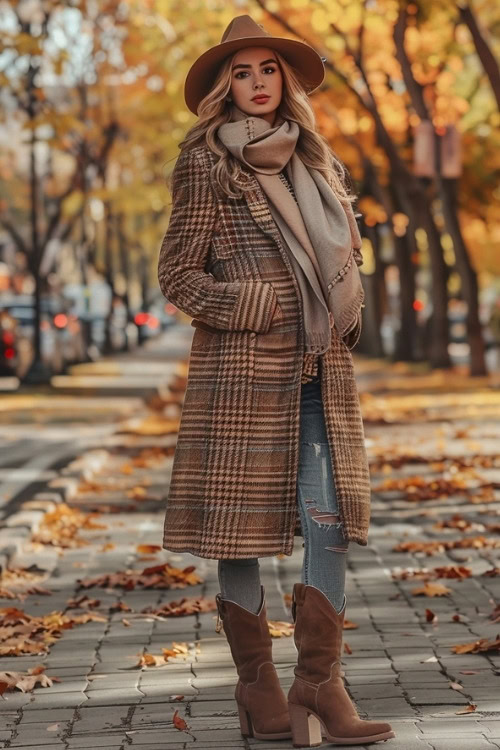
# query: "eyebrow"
264,62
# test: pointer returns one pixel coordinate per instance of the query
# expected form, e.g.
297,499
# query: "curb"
16,529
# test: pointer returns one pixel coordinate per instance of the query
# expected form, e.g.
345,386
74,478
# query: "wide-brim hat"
242,32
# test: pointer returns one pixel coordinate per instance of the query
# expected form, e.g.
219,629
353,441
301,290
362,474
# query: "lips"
262,98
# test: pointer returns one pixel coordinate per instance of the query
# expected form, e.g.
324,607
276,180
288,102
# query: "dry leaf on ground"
164,576
148,549
424,574
83,602
431,589
348,625
185,606
21,633
25,681
495,615
278,628
476,647
178,650
60,527
468,709
434,547
179,722
18,583
431,616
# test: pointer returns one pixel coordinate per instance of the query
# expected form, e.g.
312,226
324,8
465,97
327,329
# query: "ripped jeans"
325,547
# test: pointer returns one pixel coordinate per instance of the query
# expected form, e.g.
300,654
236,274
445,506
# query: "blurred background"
92,110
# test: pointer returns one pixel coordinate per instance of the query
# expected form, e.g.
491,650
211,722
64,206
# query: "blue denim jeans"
325,547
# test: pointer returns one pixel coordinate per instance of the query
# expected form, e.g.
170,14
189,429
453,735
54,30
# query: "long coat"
233,490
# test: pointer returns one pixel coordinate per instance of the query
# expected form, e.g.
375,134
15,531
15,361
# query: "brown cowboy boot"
262,704
318,699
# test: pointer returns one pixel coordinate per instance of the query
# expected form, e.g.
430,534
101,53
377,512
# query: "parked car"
9,355
60,331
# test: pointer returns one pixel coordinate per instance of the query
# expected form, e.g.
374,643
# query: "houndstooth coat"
233,486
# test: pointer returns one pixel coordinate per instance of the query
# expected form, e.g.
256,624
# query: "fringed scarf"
319,233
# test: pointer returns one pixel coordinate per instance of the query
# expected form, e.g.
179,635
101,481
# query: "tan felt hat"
242,32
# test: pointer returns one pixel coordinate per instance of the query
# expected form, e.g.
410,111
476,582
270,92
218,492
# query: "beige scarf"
317,231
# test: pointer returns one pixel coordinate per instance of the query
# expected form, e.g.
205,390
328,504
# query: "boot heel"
245,722
306,728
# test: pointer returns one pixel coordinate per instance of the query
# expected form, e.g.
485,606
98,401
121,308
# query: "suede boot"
262,704
318,699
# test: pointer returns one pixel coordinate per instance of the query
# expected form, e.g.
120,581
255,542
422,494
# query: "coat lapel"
258,205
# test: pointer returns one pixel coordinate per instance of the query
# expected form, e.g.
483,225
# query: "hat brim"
202,73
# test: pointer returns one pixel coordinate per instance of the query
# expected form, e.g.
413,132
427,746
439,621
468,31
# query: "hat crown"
242,27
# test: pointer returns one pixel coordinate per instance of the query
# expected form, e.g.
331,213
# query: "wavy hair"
312,147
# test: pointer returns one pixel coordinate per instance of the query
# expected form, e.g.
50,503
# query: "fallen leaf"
60,527
475,647
460,618
83,602
456,686
435,547
179,722
26,681
468,709
125,622
278,629
163,576
148,549
159,660
185,606
431,589
347,648
430,616
348,625
491,573
21,633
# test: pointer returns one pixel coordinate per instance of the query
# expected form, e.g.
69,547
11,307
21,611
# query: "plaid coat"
233,486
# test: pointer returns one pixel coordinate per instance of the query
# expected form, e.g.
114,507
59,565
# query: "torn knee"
327,520
324,517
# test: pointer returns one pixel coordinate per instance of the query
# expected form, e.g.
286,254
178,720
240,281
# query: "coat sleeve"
234,306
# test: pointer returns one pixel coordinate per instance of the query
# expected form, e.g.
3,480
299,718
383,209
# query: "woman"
262,251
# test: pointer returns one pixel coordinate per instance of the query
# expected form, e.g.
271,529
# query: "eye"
244,72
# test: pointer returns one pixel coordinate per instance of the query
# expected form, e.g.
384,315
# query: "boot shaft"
248,636
318,634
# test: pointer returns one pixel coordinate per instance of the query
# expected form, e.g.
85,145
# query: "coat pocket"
222,246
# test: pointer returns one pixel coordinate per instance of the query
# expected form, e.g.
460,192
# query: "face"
256,71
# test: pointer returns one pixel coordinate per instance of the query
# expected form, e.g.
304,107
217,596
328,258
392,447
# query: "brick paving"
400,668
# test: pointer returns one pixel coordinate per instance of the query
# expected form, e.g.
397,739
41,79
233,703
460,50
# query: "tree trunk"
371,340
468,276
488,60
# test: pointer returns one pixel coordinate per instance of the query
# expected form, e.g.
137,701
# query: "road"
92,445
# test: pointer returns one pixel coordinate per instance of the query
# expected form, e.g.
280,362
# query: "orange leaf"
148,549
347,648
468,709
278,629
348,625
179,722
431,589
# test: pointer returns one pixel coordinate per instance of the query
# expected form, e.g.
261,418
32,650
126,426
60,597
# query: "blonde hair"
312,147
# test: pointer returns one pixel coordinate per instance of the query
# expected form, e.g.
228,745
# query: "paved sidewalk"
398,666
